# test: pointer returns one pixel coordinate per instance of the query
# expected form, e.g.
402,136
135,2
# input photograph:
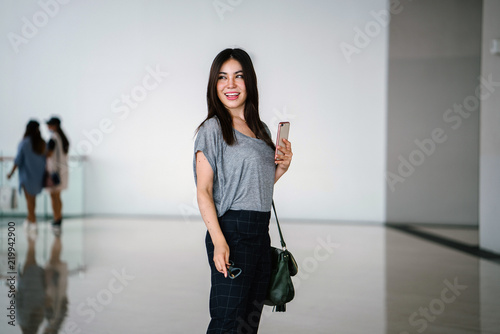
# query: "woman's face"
231,88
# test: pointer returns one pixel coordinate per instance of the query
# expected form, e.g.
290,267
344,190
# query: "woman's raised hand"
286,158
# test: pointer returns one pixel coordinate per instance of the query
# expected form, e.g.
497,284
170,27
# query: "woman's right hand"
221,257
11,172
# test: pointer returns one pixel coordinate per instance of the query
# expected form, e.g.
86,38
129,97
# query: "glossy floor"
151,276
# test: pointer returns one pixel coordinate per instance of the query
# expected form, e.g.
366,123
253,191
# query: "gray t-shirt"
243,172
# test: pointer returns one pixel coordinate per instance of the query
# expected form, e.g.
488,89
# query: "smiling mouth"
232,96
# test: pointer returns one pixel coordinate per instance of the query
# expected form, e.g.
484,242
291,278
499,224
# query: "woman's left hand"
284,160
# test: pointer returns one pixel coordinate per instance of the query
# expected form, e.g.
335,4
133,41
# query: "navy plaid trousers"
236,304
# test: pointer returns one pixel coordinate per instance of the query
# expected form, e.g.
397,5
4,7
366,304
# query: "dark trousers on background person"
236,304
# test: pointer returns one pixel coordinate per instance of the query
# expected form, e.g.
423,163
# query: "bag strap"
283,244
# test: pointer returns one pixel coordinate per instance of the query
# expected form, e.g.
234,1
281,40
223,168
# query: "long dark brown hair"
65,141
216,108
33,132
56,122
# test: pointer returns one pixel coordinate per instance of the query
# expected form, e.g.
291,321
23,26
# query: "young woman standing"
235,170
57,161
30,160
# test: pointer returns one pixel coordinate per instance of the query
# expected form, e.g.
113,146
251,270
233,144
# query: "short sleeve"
208,141
19,160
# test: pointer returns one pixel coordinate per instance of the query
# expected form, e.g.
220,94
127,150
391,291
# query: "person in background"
30,160
57,162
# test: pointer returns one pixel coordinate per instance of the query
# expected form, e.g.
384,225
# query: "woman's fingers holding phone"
284,159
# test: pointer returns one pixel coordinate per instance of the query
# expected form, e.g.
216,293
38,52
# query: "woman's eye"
221,77
240,76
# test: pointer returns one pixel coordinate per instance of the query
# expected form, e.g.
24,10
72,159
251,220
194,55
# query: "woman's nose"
230,82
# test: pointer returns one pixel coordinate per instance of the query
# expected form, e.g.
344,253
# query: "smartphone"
283,130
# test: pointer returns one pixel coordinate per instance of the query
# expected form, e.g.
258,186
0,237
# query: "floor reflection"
42,292
41,283
107,275
430,288
31,295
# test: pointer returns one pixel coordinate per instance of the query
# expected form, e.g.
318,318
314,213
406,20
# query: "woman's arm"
19,159
204,185
12,171
283,164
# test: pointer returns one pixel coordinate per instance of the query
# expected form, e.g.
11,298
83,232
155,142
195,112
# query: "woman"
57,161
235,170
30,159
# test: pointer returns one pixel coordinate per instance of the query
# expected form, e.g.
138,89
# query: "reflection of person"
57,161
30,160
30,296
42,292
56,276
235,170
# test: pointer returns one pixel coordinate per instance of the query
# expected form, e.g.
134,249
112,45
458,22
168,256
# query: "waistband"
263,216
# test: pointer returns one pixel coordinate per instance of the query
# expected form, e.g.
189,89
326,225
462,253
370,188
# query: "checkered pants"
236,304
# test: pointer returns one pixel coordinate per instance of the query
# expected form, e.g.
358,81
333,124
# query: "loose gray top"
243,172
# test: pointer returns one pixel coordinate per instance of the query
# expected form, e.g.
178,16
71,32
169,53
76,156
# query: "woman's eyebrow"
240,71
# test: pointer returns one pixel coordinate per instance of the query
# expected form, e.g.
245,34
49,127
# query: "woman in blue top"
30,160
235,169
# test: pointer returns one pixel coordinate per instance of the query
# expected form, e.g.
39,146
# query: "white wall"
433,149
489,210
83,59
